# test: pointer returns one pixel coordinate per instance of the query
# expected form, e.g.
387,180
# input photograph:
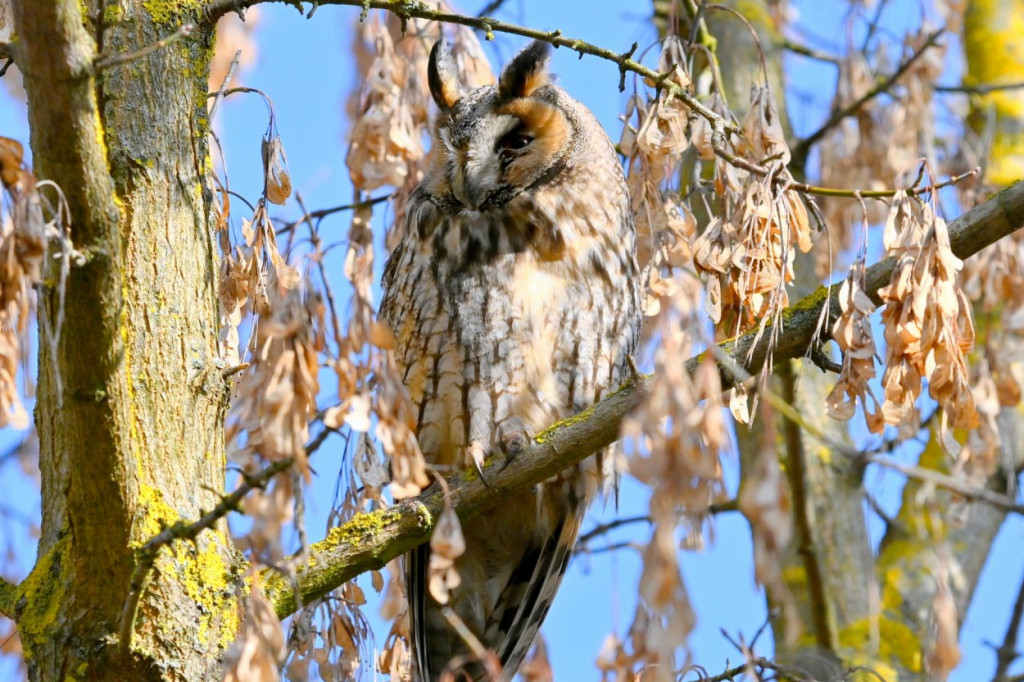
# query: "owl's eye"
515,141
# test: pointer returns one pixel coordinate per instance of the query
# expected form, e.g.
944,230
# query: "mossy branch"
369,541
8,596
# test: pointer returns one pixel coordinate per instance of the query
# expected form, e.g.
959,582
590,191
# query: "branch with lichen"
146,554
8,595
369,540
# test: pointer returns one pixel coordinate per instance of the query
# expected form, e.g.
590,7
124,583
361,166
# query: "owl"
513,296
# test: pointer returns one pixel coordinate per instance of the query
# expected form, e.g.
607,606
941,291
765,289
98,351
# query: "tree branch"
951,483
1007,653
369,541
979,89
412,9
723,128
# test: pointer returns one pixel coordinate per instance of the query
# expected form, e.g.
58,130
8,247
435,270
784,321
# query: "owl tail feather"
513,622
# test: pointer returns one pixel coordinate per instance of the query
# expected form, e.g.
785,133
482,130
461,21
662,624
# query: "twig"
809,52
324,212
406,9
873,26
801,149
603,528
102,62
979,89
937,478
490,8
219,95
318,259
1007,653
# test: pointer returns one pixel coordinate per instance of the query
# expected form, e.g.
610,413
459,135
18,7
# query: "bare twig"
219,95
873,26
979,89
809,52
324,212
956,485
103,61
603,528
407,9
801,148
490,8
1007,653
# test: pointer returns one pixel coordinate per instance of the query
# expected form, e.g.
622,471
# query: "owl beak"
476,181
469,192
475,195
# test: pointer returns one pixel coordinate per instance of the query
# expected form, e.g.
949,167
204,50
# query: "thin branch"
1008,653
324,212
979,89
956,485
873,26
809,52
103,61
8,597
219,95
603,528
802,148
723,128
490,8
410,9
368,541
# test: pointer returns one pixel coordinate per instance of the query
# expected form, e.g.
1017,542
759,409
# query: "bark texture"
130,417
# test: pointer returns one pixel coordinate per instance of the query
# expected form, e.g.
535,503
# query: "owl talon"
480,472
512,444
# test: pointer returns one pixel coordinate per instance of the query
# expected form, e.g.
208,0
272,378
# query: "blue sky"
305,67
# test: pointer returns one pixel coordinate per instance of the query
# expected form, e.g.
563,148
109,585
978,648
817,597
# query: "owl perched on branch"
514,299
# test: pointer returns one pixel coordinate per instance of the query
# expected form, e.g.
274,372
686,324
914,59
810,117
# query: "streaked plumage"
514,301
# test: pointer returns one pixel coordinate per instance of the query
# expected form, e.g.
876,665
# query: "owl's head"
492,143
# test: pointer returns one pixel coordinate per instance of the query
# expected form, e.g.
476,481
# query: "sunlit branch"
145,556
368,541
324,212
723,128
406,9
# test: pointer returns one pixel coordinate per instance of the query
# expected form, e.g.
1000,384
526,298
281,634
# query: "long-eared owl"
514,299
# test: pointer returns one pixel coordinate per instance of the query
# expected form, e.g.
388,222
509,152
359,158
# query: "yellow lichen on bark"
995,56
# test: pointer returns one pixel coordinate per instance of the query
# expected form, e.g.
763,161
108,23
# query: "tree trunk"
130,418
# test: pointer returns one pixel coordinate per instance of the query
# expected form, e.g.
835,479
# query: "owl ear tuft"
527,72
442,76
